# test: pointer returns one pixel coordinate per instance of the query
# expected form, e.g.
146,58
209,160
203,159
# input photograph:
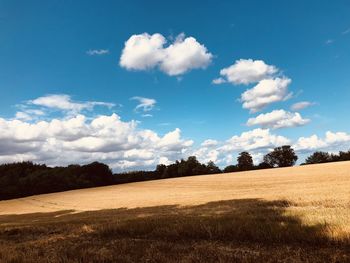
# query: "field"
299,214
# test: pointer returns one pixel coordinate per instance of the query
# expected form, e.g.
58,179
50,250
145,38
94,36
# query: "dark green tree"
263,165
212,168
318,157
161,170
281,157
344,156
245,161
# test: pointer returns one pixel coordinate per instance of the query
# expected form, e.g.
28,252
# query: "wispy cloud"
29,114
301,105
329,41
347,31
97,52
57,102
165,124
64,102
145,104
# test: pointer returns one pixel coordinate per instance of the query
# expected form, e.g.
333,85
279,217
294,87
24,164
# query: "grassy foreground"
311,224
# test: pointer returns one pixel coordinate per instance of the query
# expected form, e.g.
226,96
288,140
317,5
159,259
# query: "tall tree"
245,161
281,157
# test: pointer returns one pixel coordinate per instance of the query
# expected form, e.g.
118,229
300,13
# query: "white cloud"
29,114
171,141
145,104
258,142
267,91
204,154
272,85
23,116
278,119
144,51
329,41
246,71
331,141
209,143
183,55
79,140
164,160
218,81
65,103
301,105
123,145
253,140
97,52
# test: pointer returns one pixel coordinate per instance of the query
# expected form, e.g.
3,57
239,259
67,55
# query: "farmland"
298,214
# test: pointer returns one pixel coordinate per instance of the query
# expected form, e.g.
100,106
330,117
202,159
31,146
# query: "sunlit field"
299,214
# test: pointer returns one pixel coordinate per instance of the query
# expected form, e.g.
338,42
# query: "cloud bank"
81,136
106,138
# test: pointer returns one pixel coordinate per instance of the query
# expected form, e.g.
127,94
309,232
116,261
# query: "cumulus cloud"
258,142
142,52
145,51
278,119
78,139
271,85
206,154
301,105
331,141
253,140
267,91
123,145
97,52
246,71
145,104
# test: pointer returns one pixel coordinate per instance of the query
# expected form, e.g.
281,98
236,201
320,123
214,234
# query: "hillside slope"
304,184
299,214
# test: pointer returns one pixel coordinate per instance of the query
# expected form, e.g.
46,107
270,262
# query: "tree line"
325,157
26,178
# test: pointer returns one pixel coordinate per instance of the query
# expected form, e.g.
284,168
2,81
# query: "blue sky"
44,50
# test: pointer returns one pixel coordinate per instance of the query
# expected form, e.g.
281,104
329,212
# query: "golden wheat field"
298,214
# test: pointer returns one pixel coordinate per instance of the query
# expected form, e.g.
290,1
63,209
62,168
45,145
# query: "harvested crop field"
307,185
299,214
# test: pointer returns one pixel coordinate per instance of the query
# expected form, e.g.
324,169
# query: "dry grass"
299,214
